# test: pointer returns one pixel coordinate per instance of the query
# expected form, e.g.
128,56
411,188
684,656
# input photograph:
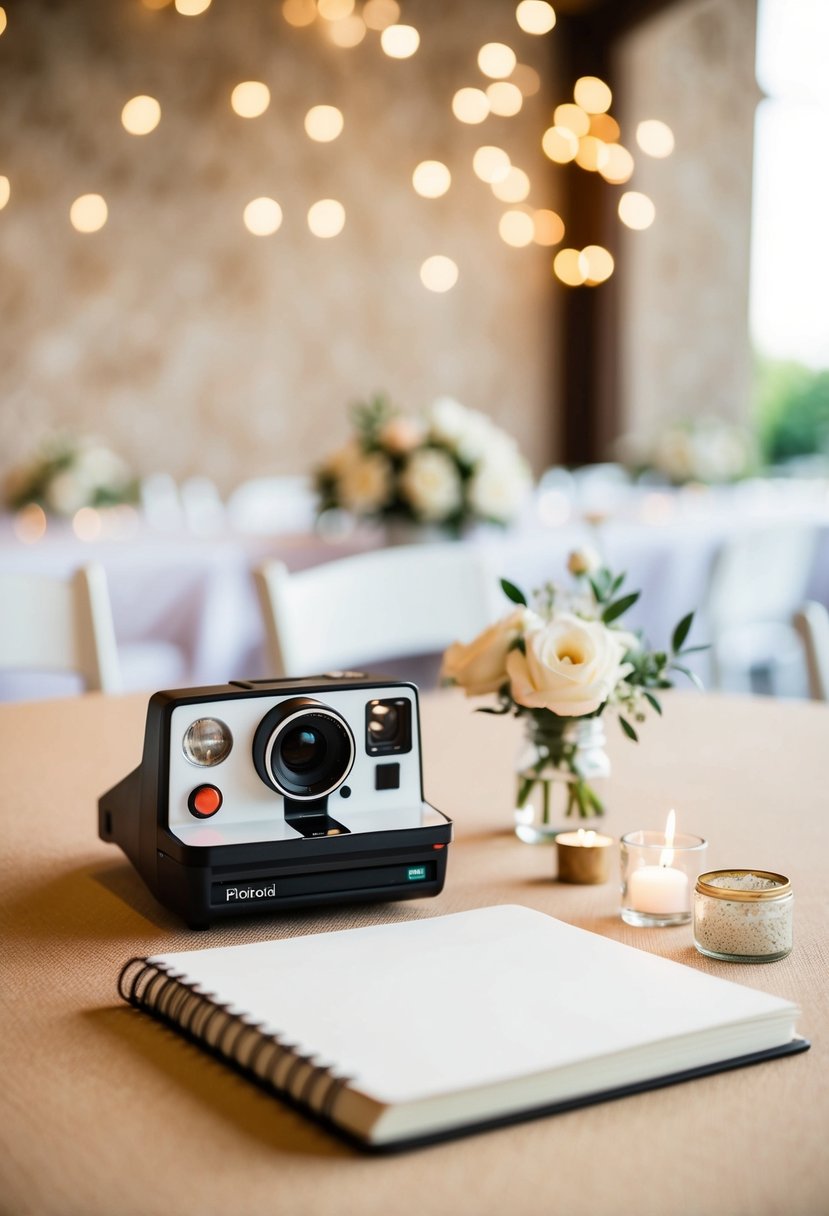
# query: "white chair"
402,602
60,625
758,581
812,625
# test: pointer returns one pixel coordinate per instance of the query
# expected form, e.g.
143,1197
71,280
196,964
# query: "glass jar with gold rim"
743,916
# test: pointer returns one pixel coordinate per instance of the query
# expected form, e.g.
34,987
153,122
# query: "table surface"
103,1110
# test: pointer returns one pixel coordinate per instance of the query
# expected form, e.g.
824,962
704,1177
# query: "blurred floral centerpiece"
560,662
69,473
708,450
449,468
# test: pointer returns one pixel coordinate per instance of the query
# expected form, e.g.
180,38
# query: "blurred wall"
189,344
683,312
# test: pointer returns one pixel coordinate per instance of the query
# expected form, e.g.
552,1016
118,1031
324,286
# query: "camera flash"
207,741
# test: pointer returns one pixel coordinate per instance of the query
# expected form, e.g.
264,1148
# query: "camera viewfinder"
389,727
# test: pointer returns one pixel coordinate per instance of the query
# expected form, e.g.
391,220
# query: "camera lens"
303,749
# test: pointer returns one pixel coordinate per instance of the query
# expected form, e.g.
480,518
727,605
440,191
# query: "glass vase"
561,770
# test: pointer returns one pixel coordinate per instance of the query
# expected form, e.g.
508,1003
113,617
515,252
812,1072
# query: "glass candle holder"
743,916
658,877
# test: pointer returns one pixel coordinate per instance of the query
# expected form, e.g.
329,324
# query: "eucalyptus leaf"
652,701
628,729
513,593
692,676
616,609
681,632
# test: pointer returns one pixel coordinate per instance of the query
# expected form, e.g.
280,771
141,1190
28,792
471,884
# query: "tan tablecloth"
103,1111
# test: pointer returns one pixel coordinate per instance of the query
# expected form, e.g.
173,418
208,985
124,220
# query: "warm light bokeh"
192,8
655,138
299,12
605,128
505,99
326,218
636,210
592,154
496,59
470,105
5,191
324,123
573,118
618,167
400,41
141,115
599,264
592,94
491,164
431,178
439,273
535,16
88,213
514,188
378,14
347,31
335,10
516,228
526,78
549,227
570,266
262,216
250,98
560,144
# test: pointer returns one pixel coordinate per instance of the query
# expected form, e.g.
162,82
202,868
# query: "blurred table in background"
186,612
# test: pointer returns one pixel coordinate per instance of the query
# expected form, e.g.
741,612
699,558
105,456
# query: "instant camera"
262,795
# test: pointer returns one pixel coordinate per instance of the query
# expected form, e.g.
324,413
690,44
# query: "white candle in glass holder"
660,890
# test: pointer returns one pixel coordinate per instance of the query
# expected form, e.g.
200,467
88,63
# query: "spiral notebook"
406,1033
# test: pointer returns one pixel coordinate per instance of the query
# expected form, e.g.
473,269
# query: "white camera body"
262,795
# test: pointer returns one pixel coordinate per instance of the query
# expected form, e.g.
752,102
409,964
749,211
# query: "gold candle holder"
583,856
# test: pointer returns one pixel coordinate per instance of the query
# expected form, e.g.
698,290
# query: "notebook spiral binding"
155,989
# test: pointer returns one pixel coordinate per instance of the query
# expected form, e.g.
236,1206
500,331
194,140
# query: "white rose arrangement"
707,449
69,473
451,467
565,657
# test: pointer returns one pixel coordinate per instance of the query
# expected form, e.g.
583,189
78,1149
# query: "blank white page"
428,1007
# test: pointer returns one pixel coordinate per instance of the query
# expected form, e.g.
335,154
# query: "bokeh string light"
583,133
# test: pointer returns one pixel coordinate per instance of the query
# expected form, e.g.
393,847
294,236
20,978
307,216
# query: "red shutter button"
204,801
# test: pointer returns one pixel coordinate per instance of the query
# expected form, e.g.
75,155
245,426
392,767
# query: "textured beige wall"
194,347
684,308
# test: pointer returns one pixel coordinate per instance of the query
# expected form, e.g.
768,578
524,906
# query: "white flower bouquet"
449,468
706,449
69,473
561,662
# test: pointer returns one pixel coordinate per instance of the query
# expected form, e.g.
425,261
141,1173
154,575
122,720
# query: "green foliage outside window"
792,410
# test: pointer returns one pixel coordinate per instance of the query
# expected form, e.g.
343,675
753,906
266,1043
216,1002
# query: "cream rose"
365,485
498,488
431,484
584,561
481,666
401,435
571,666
